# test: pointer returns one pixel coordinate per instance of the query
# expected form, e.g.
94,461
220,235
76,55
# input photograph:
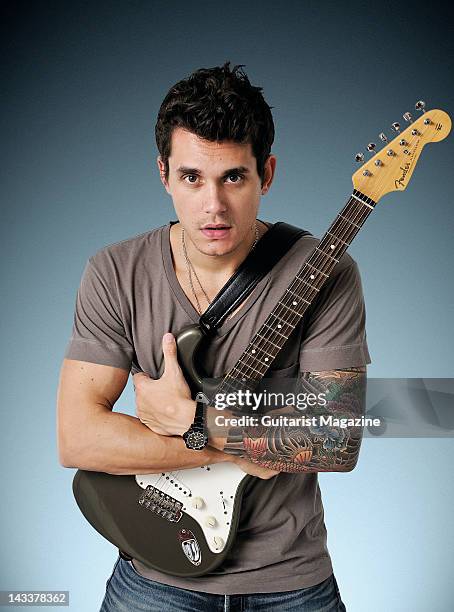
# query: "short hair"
217,104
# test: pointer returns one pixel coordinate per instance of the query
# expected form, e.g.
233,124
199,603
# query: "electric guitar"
184,523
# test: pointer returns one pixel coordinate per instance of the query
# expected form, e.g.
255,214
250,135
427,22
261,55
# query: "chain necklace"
190,268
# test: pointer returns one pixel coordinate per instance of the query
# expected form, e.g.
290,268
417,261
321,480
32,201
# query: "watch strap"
199,416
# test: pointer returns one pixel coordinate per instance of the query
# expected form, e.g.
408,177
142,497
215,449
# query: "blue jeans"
128,591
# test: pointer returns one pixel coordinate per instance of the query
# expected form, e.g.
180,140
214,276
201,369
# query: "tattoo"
313,448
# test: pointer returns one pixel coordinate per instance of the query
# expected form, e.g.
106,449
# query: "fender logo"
400,181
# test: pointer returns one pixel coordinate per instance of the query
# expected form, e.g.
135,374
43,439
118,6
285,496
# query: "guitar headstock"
391,168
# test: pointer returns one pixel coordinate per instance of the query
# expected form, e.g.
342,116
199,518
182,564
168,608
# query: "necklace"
190,268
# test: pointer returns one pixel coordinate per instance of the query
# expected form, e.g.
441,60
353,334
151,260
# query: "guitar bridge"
161,504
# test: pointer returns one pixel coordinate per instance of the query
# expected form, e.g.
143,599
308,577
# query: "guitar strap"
267,252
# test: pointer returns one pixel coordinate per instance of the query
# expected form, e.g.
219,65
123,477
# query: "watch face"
195,440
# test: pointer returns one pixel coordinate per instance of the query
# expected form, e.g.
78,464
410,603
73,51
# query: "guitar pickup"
161,504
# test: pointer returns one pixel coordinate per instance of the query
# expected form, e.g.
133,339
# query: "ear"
270,167
162,173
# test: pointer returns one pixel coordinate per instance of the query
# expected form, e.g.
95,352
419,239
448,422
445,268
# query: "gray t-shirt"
129,297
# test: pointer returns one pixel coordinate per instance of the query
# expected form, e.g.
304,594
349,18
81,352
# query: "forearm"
117,443
302,448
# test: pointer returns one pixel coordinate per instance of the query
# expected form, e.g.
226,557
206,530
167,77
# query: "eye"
238,177
190,176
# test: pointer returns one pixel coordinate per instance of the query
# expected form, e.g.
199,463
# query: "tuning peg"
420,106
371,147
395,126
359,157
408,118
383,137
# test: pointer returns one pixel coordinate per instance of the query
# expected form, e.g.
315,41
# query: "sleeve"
98,334
334,335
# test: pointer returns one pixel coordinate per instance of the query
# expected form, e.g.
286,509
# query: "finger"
169,348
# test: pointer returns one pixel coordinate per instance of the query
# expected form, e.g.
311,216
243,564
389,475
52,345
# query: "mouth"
218,230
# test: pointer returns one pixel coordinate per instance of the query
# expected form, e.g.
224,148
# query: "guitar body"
182,547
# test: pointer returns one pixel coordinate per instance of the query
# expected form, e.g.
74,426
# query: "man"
214,134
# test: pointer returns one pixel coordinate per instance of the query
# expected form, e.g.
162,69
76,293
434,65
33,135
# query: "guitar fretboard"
293,303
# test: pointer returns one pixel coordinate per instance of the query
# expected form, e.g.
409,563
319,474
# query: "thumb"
138,378
169,348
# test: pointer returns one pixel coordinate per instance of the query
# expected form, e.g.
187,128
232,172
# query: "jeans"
128,591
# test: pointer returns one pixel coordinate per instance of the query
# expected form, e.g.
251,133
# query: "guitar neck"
293,303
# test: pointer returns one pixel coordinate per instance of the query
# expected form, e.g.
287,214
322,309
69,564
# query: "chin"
218,250
217,247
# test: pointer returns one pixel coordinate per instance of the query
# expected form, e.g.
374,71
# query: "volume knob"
218,542
210,521
197,503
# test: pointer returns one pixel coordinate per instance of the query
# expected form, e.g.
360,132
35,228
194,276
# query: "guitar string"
302,289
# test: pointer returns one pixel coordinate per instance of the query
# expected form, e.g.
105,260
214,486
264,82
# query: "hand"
165,405
253,469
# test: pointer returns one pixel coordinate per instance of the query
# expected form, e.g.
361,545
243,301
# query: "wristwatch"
196,437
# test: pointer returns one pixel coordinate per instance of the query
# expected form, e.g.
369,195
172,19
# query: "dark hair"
217,104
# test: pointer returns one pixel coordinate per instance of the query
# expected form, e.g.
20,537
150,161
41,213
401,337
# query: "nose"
213,202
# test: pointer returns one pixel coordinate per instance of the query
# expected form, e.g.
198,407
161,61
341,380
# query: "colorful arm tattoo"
317,447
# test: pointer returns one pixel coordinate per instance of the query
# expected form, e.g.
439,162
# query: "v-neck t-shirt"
129,297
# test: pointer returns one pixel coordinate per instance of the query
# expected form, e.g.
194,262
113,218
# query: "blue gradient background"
83,87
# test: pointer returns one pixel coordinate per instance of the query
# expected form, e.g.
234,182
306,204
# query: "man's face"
214,183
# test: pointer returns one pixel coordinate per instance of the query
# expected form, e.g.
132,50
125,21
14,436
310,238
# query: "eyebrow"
237,170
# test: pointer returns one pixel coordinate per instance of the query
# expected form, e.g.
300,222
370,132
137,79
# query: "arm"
92,437
308,449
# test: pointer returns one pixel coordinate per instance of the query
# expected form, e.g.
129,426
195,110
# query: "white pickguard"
216,485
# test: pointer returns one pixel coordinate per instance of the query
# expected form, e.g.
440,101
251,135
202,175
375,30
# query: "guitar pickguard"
206,493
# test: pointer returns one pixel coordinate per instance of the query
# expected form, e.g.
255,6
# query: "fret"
227,387
231,375
275,331
281,324
298,296
327,264
327,255
249,366
291,309
337,238
355,224
267,340
341,227
311,286
329,246
357,212
314,268
278,317
256,348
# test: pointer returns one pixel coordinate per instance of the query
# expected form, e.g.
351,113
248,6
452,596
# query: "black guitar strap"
267,252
